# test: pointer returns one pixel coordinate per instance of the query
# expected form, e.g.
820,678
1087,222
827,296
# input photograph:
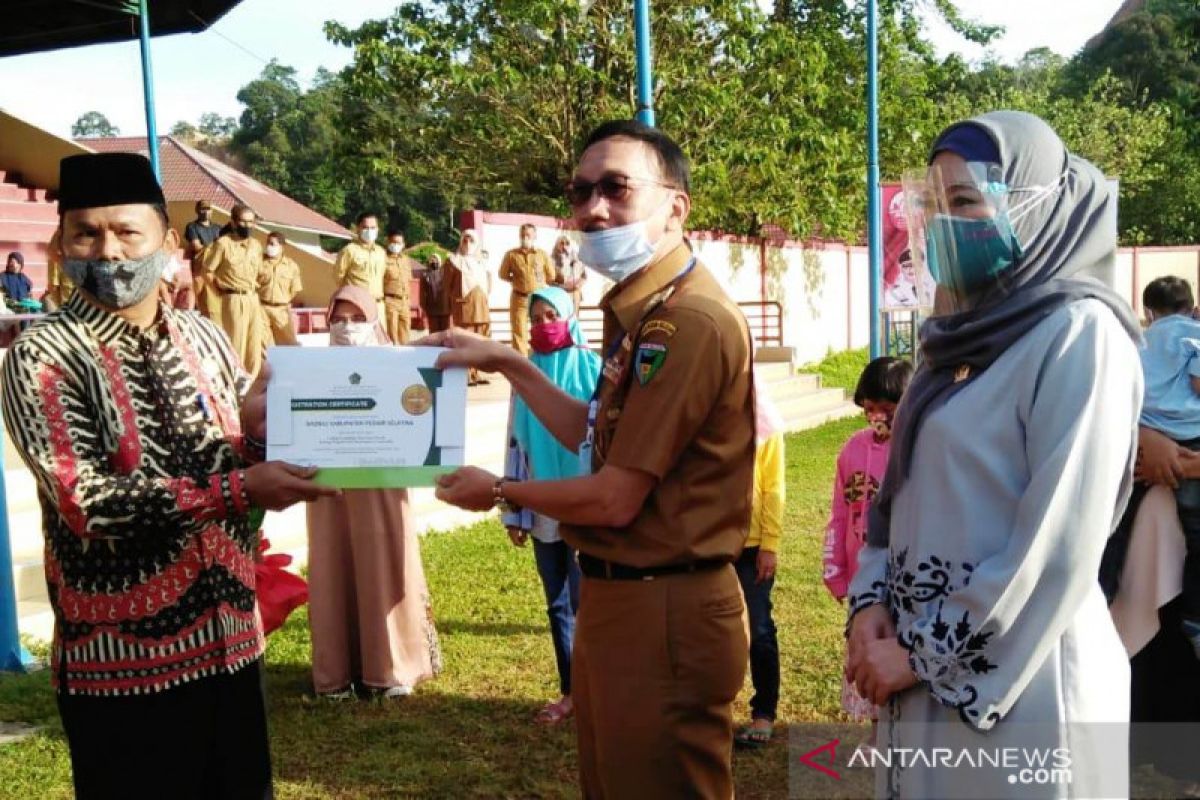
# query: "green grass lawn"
469,732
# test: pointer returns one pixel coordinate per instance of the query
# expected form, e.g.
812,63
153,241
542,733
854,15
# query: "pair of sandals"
754,736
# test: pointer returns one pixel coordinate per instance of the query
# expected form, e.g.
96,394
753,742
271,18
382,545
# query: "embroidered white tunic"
991,569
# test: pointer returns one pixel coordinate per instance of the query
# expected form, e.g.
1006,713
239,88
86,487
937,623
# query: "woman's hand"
872,623
883,670
517,536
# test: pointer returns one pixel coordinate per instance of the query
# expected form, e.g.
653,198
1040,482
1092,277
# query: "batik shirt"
135,441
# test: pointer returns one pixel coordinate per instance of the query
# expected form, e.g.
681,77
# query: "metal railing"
765,319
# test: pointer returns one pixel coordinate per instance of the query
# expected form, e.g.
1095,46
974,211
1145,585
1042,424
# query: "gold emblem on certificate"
417,399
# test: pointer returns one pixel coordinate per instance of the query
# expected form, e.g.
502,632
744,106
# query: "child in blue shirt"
1171,364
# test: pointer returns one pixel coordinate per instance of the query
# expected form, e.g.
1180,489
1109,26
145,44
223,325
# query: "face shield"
962,220
963,245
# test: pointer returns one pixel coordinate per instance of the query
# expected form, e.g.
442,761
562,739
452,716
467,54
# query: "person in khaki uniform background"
660,639
362,262
278,285
527,268
397,278
59,287
229,269
468,284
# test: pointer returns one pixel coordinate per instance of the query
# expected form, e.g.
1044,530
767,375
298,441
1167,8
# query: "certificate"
367,417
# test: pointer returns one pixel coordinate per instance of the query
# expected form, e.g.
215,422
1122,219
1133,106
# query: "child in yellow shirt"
756,572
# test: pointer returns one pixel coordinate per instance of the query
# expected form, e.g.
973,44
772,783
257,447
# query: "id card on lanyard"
588,444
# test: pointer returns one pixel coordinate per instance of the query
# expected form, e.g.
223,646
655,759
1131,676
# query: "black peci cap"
107,179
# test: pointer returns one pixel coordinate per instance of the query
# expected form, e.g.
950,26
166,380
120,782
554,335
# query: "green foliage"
421,252
1154,56
93,123
840,370
456,104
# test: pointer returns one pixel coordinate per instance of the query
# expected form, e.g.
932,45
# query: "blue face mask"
965,255
617,253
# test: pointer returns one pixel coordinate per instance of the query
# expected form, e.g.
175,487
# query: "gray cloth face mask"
118,284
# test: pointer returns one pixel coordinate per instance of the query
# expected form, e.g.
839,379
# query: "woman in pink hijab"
369,610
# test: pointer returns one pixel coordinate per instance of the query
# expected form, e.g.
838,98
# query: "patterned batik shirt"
135,441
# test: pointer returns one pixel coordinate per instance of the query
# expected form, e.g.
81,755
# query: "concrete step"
783,391
10,191
27,230
13,210
807,403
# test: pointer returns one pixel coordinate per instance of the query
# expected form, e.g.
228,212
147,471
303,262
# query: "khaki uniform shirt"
232,265
361,264
676,401
59,285
527,270
397,277
279,281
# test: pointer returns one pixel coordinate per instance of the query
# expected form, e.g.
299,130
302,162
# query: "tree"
214,126
185,131
92,124
289,138
489,100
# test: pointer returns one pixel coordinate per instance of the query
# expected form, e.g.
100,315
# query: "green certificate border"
380,477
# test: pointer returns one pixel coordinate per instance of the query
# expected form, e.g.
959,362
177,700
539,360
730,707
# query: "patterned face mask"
118,284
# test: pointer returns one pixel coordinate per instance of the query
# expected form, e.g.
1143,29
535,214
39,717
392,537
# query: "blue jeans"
559,571
764,647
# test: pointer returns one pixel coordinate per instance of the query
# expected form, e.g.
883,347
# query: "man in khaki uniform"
397,280
363,262
528,269
278,285
59,287
664,505
229,268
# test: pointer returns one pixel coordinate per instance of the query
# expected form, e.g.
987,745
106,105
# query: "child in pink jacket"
860,468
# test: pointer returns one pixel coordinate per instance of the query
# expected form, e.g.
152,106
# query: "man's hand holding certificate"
367,417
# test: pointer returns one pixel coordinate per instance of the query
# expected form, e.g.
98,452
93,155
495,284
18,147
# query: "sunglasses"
611,187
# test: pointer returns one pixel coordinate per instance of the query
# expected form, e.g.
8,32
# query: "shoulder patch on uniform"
658,326
649,359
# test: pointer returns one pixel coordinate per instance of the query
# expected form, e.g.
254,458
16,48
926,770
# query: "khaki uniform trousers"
241,318
518,315
208,299
655,669
396,320
279,330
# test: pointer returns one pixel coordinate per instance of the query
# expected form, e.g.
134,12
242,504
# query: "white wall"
811,283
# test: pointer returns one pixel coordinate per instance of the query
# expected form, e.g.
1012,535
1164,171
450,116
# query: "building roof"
190,175
31,26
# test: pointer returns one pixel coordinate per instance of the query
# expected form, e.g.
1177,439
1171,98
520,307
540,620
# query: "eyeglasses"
611,187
